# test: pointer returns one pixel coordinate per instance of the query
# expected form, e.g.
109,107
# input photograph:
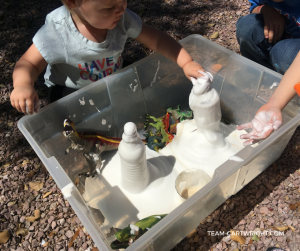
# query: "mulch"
32,208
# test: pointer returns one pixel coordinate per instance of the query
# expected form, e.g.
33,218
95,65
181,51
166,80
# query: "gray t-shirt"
73,60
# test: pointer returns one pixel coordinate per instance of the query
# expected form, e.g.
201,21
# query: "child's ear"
70,4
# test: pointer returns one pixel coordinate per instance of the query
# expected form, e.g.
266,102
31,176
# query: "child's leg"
283,54
250,35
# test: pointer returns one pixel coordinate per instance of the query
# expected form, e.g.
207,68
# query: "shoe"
275,249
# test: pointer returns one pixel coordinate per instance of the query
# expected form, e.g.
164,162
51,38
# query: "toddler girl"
80,43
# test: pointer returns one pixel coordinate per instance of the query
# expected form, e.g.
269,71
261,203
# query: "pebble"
61,221
264,210
22,219
289,222
51,219
69,234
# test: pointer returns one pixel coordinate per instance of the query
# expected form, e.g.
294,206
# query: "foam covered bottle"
132,151
205,103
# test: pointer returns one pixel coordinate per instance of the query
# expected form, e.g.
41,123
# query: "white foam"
154,79
236,158
133,229
82,102
274,85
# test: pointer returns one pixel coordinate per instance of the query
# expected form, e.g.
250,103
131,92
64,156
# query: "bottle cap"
130,134
297,88
130,129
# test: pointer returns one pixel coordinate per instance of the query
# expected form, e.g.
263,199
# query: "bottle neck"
132,138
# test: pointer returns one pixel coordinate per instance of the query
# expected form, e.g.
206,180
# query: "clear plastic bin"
144,88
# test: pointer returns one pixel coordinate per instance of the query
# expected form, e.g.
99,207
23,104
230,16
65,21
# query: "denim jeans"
254,46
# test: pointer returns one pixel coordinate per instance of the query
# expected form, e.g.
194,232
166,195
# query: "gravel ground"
33,212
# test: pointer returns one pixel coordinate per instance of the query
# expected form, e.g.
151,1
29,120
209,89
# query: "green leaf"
255,237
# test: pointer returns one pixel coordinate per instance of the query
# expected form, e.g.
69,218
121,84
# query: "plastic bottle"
132,151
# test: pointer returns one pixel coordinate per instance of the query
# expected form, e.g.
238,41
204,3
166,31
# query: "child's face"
102,14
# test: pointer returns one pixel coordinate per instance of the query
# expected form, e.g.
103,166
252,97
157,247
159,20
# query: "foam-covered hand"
192,69
267,119
203,83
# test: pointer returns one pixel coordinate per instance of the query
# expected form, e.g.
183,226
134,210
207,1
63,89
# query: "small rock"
69,234
259,193
252,225
51,219
34,243
289,222
62,221
22,219
267,242
186,247
264,210
271,220
242,222
226,238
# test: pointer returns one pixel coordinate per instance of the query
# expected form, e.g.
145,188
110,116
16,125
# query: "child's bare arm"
167,46
269,118
26,71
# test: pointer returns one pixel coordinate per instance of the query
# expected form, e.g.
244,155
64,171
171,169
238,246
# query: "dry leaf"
25,162
37,215
46,244
31,174
4,236
250,242
95,249
293,229
6,164
74,237
192,234
36,186
25,187
28,150
216,67
294,206
281,228
215,35
51,234
22,231
10,123
236,236
47,194
76,182
9,204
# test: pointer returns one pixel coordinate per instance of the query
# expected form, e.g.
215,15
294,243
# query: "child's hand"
23,95
192,69
267,119
274,23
